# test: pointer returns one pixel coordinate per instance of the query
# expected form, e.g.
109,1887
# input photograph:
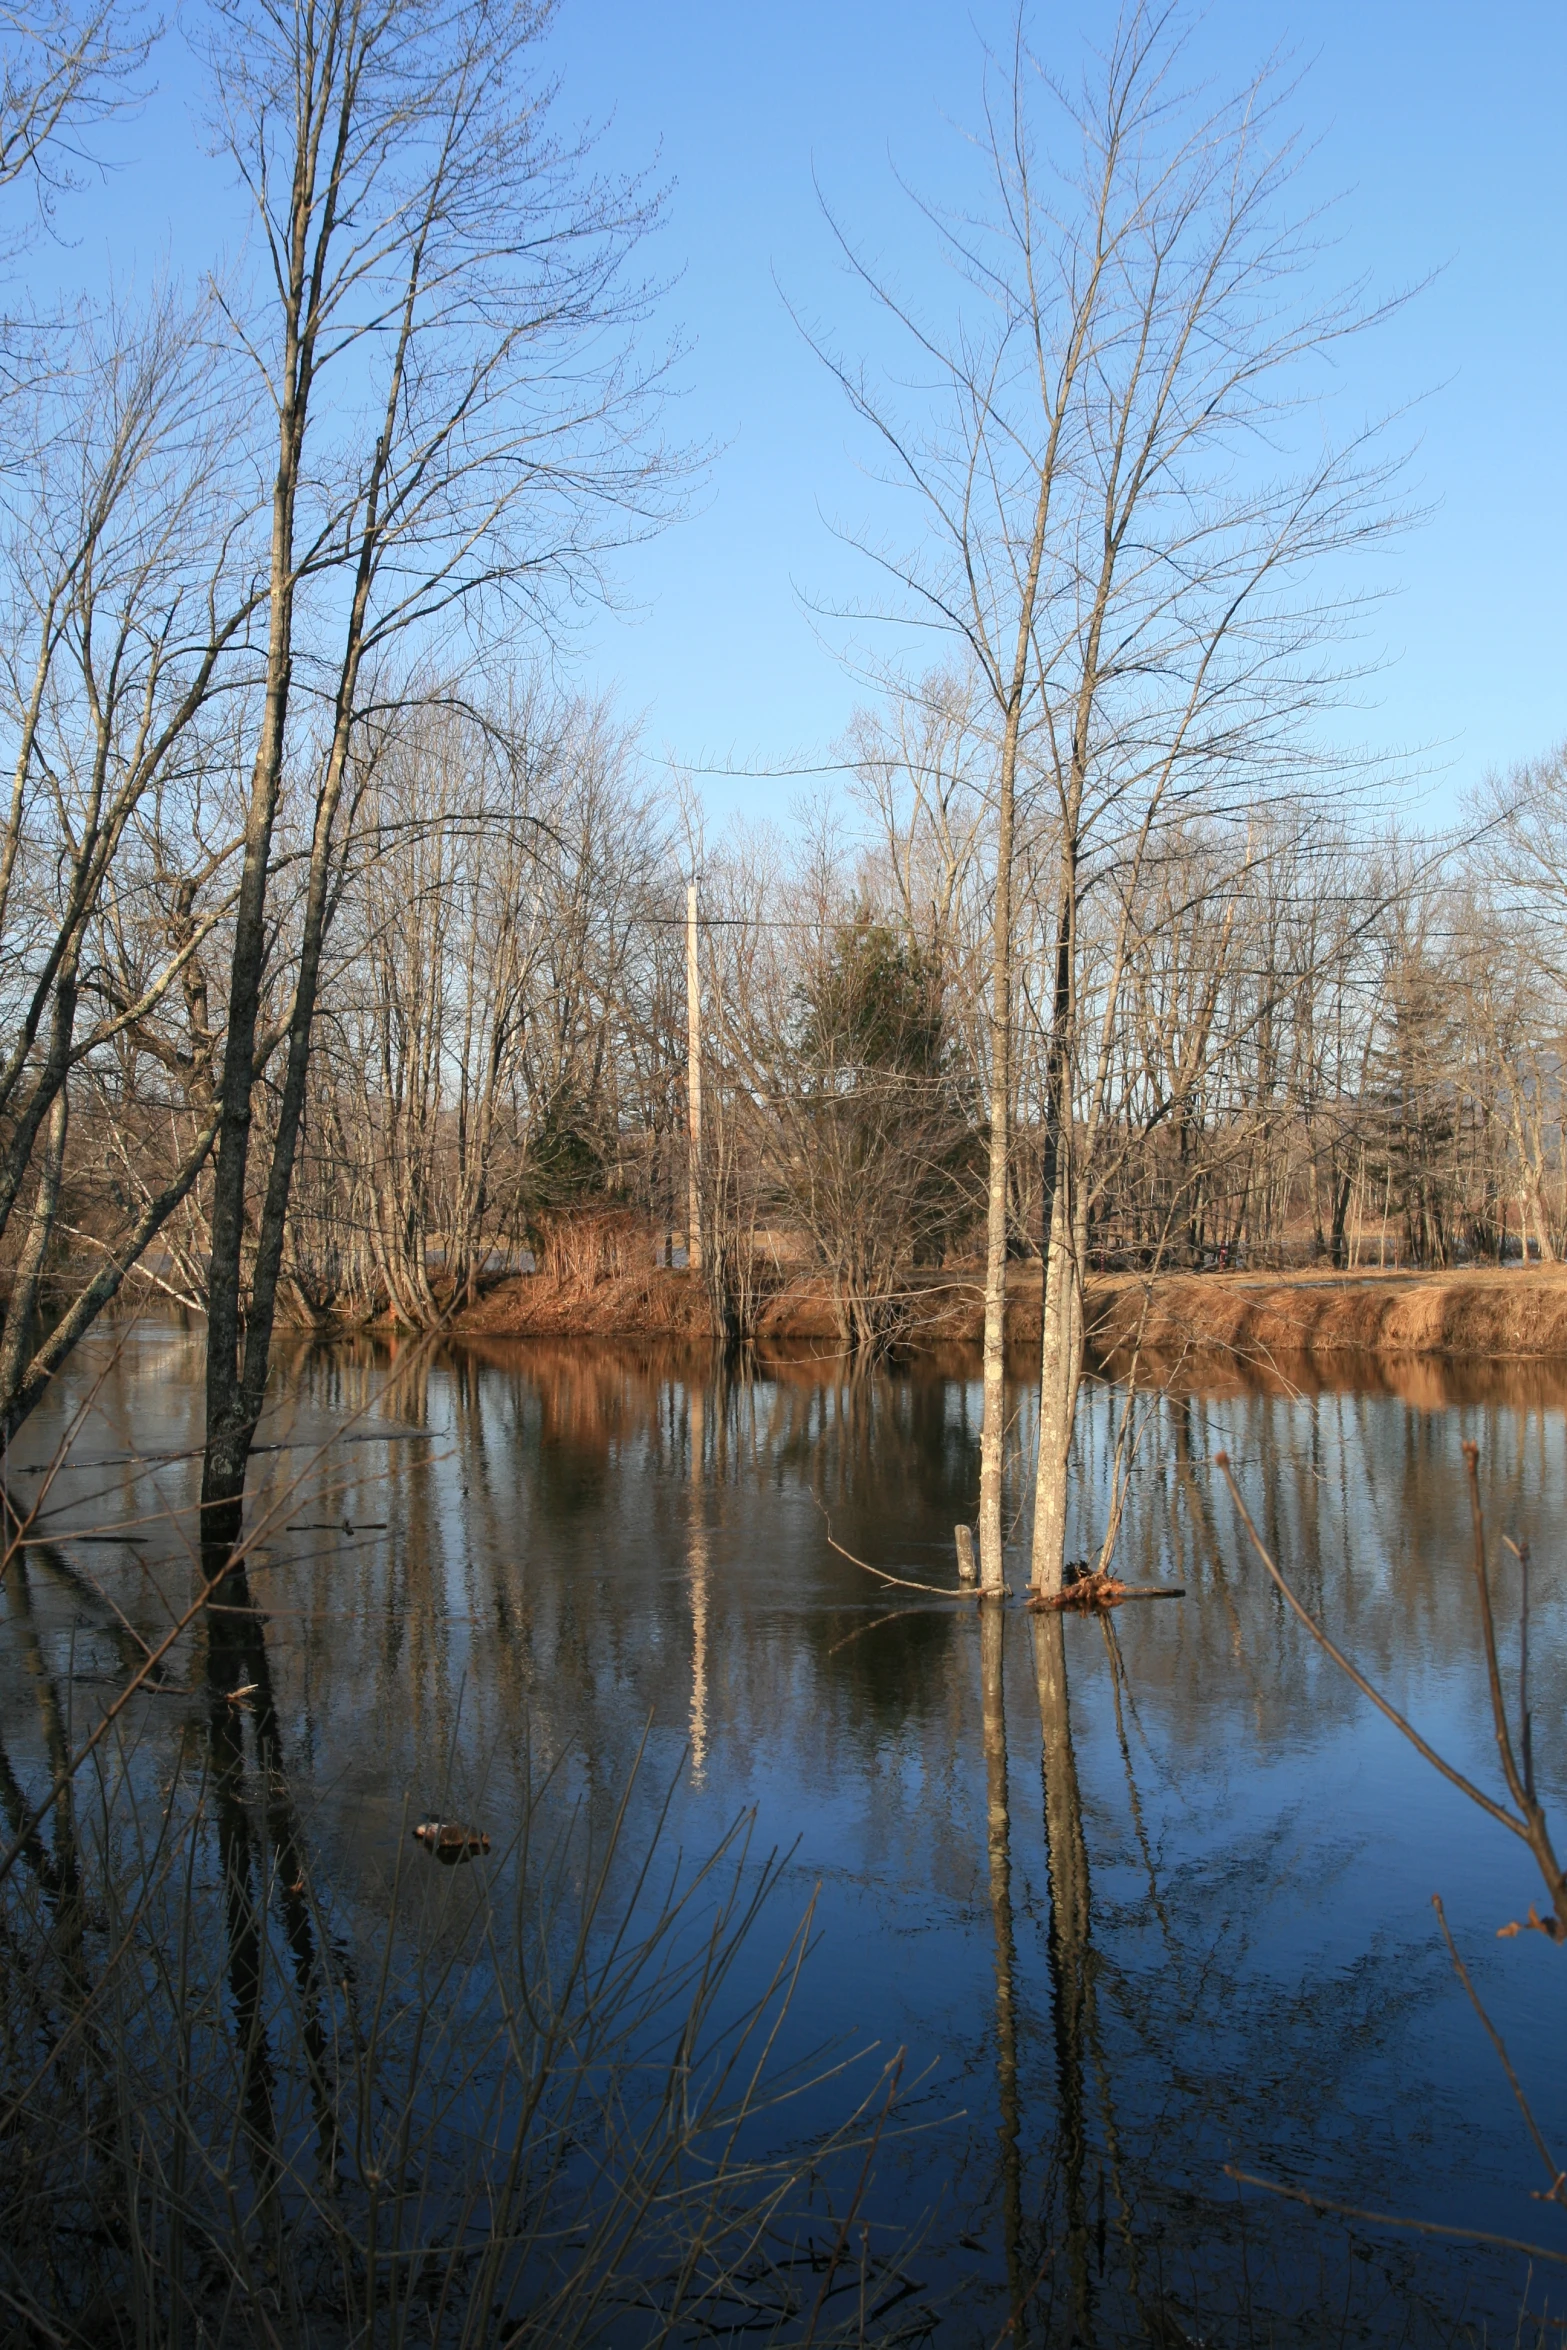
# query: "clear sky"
1442,124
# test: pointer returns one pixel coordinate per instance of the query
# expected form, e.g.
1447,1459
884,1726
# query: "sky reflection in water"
1175,1918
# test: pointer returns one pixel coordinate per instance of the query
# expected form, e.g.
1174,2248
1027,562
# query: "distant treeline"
1293,1044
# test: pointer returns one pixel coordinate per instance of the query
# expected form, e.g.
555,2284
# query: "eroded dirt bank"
1472,1314
1467,1315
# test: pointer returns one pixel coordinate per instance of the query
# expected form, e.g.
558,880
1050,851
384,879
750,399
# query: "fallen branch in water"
1529,1822
1389,2219
902,1582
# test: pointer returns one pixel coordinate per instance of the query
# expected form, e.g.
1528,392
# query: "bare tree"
124,603
1108,536
62,71
440,340
1520,868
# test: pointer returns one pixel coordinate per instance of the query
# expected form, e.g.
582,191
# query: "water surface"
1138,1903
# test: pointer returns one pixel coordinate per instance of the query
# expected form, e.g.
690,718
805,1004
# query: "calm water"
1136,1909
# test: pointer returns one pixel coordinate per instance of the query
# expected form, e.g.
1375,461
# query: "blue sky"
1440,124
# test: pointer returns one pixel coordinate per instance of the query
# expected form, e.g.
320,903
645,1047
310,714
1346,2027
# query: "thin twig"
1504,1743
1520,1551
1535,1828
1009,2330
1388,2219
19,1522
1519,1827
896,2070
874,1625
1556,2176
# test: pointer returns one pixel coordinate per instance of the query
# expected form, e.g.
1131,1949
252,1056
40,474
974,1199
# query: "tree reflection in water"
1067,1855
263,1861
597,1539
998,1832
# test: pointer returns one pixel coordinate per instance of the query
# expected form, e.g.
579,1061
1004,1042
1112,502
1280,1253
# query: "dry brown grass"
650,1304
598,1277
1475,1314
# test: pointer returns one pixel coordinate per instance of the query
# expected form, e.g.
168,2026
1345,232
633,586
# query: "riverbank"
1473,1313
1468,1314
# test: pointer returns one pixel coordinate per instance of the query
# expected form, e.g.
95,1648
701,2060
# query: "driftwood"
1095,1592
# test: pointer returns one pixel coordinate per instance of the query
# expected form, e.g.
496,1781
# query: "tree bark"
693,1088
230,1417
22,1305
993,1426
1060,1374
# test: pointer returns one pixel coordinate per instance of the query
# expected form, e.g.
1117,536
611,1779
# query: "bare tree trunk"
993,1426
693,1087
22,1305
291,1105
1542,1228
1060,1372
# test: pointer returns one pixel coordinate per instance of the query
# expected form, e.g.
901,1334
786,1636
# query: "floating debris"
448,1842
1093,1591
1532,1924
1084,1589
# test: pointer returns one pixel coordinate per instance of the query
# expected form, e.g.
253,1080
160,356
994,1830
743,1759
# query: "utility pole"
693,1085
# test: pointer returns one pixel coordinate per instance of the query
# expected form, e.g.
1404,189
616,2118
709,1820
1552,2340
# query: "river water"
1138,1903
